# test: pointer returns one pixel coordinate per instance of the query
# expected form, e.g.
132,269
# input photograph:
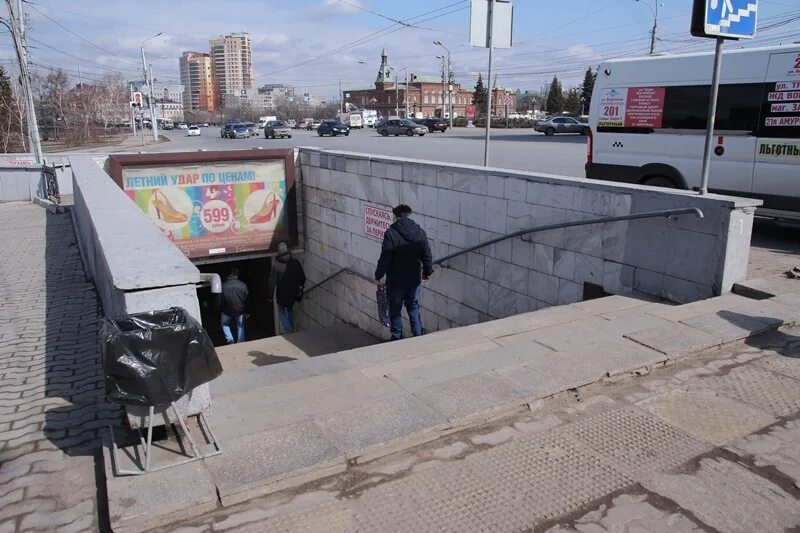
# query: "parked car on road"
332,128
193,131
561,125
277,128
252,127
183,126
434,124
314,124
401,126
292,123
226,130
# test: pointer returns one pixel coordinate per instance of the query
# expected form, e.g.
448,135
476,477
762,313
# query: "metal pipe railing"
667,213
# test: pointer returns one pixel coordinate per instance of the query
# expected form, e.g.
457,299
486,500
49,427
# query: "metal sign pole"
489,85
712,116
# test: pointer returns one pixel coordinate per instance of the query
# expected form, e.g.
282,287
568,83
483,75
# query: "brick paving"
51,388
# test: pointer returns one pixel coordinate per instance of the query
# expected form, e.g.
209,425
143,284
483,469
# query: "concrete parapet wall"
134,266
682,260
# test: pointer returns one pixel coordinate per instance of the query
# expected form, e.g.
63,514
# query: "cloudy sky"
314,43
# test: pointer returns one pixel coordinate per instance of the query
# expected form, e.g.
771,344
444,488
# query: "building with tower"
426,95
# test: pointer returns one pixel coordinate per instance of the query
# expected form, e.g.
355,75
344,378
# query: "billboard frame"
118,162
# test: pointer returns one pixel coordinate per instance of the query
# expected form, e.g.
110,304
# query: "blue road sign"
732,19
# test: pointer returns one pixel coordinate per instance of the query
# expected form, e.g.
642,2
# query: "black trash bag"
155,358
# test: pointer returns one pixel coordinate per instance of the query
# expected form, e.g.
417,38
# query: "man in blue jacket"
406,261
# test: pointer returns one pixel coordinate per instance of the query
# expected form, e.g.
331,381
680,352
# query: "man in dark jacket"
233,304
286,284
405,260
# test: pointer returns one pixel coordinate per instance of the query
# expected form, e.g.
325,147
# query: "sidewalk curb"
50,206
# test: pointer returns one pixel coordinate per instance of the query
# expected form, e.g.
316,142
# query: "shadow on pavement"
73,370
263,359
782,343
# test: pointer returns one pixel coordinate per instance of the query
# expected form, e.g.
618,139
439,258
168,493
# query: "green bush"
500,122
460,122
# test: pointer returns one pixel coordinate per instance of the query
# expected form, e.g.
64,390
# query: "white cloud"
582,51
334,8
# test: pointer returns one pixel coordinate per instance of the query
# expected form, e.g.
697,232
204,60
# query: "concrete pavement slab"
708,416
529,321
137,503
382,426
424,375
610,304
237,415
629,513
728,497
711,305
778,447
781,364
409,363
272,460
472,399
674,340
727,327
548,374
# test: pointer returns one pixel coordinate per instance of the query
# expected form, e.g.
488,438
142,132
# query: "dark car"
435,124
401,126
332,128
226,130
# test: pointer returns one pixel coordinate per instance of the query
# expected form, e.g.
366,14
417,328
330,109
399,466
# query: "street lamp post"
449,81
655,23
153,121
397,90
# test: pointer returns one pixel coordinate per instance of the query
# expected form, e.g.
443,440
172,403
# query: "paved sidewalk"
51,388
709,444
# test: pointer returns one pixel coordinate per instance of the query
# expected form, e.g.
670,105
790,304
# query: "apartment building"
197,77
232,64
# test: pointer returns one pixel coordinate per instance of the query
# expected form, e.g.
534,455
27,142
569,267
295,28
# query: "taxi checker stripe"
734,17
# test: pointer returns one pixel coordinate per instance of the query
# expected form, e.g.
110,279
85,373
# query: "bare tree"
12,117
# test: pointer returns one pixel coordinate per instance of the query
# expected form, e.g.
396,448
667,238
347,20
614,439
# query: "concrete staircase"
282,425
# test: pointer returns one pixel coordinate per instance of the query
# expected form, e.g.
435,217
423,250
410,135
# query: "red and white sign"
782,121
787,86
645,107
17,161
790,107
376,221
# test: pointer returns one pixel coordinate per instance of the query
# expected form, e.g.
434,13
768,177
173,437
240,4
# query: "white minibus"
648,120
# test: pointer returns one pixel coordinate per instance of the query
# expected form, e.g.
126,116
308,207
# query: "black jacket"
286,281
404,253
234,297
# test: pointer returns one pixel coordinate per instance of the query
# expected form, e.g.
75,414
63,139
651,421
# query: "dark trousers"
410,298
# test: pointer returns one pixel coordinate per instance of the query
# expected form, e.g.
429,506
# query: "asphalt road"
518,149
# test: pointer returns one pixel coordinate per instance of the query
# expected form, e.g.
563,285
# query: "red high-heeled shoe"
268,210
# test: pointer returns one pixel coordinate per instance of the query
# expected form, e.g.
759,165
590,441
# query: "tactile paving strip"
775,393
507,488
788,366
708,416
637,443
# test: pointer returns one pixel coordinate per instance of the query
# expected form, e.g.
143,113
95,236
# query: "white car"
193,131
183,126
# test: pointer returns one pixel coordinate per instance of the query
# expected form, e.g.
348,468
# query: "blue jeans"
286,317
410,297
226,327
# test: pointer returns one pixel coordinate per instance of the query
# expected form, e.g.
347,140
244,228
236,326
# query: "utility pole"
655,24
444,67
396,96
80,77
16,20
405,97
489,34
133,114
153,122
341,98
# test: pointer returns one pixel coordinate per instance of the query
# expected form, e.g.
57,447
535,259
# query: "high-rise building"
232,60
198,81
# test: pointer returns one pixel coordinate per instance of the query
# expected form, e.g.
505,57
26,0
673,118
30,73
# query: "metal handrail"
668,213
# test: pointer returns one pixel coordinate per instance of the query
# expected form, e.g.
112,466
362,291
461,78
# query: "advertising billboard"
214,203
